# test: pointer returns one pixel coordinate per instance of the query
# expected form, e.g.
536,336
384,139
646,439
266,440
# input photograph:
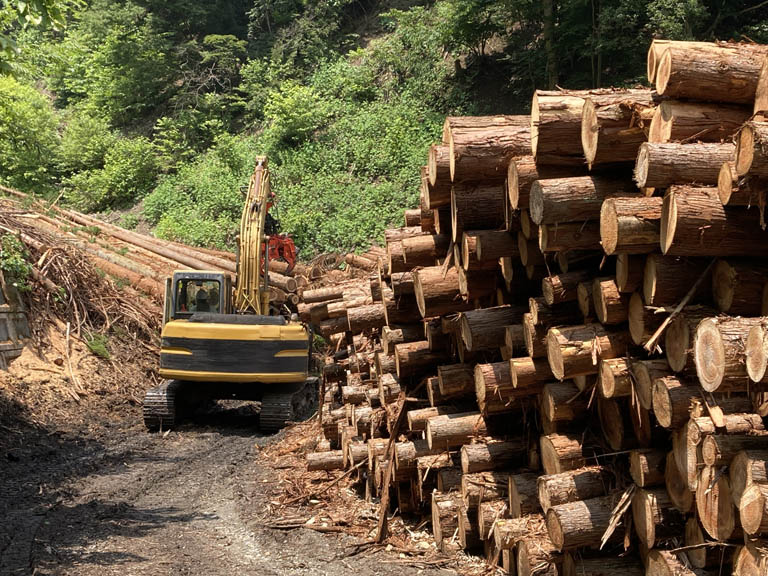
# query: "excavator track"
280,408
161,405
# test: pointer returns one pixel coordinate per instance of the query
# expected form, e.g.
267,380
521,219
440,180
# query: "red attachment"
281,247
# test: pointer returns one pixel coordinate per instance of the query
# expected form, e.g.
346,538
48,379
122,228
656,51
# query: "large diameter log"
726,73
577,350
561,452
609,134
574,199
556,128
492,455
751,157
644,320
678,338
677,121
714,504
439,170
484,486
572,485
485,329
736,284
332,460
630,225
366,318
524,171
720,449
453,430
424,250
695,223
580,523
660,165
490,245
654,517
436,292
645,373
477,207
657,49
756,352
666,280
415,359
481,147
569,236
456,380
611,306
718,351
574,565
746,468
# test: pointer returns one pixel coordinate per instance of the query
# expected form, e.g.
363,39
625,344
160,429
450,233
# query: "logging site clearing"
556,365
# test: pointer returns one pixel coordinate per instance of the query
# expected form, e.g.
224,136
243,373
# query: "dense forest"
154,109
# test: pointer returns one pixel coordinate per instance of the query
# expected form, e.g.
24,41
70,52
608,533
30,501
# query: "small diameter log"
424,250
437,293
574,565
574,199
654,517
677,486
629,272
561,452
687,457
537,556
477,207
490,245
722,73
677,121
580,523
695,223
735,191
747,561
702,426
514,339
579,484
469,531
433,392
563,287
720,449
366,318
487,515
576,350
509,531
481,147
611,306
357,261
645,372
672,400
666,280
535,337
485,329
718,350
449,479
570,236
737,287
660,165
493,388
394,335
747,467
751,157
644,320
556,128
545,315
439,165
646,467
756,352
492,455
523,172
616,424
702,555
523,495
476,285
331,460
484,486
456,381
407,455
528,374
445,519
415,359
453,430
678,338
530,254
609,132
385,364
465,253
586,301
615,379
398,234
714,504
401,283
630,225
417,419
395,257
563,402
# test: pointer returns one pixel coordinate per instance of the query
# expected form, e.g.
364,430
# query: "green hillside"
156,109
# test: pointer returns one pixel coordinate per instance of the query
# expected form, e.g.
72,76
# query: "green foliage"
129,221
129,174
677,19
293,112
98,344
85,141
28,136
14,262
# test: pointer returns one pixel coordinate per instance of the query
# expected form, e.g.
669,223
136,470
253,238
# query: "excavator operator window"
197,296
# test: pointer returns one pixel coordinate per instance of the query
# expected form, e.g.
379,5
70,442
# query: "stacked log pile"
575,331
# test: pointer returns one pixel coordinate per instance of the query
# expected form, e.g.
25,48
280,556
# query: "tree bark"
485,329
484,487
514,339
572,485
396,257
401,283
492,455
644,320
523,496
576,350
528,374
678,121
646,466
415,359
439,174
365,318
509,531
456,381
658,47
490,245
751,156
424,250
556,127
678,339
487,515
445,519
672,398
561,452
654,517
563,287
398,234
630,225
523,172
645,372
746,468
611,306
574,199
660,165
333,460
563,402
453,430
547,316
677,486
615,380
535,337
629,272
493,388
718,351
574,565
477,207
737,286
536,555
436,293
417,419
580,523
720,449
667,280
570,236
391,336
481,147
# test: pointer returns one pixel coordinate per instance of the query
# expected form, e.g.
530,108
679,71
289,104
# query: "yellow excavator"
220,343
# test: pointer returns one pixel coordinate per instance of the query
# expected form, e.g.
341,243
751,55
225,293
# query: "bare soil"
85,490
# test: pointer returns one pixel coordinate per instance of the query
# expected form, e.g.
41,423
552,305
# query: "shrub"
293,112
14,262
85,140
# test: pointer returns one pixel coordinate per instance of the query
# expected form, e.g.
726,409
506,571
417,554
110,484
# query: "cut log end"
756,353
752,510
641,166
709,354
555,529
590,129
609,227
745,150
668,222
555,355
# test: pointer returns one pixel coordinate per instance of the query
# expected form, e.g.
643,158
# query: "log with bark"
535,337
563,287
542,314
645,373
437,291
524,171
485,329
576,350
575,565
537,556
667,280
477,206
514,340
630,225
556,127
746,468
453,430
611,306
492,455
660,165
523,495
561,452
529,374
414,359
417,419
654,516
672,400
570,236
646,466
714,504
399,334
487,515
644,320
756,352
678,338
563,402
572,485
445,519
439,177
456,381
366,318
615,379
493,388
720,449
629,272
332,460
574,199
700,552
424,250
681,121
483,487
529,251
737,286
579,523
677,486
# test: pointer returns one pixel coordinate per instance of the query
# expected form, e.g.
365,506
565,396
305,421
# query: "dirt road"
109,498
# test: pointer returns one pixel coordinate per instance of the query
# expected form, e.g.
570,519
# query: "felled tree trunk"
611,306
437,293
715,505
654,516
535,338
672,399
439,176
575,350
751,157
445,519
646,467
365,318
580,523
629,272
523,172
630,225
424,250
556,128
453,430
536,555
720,449
456,380
747,467
660,165
561,452
391,336
645,373
570,236
492,455
668,279
677,121
415,358
529,374
563,287
614,379
493,388
735,286
490,245
477,207
545,315
332,460
574,199
572,485
485,329
644,320
523,496
483,487
561,402
573,565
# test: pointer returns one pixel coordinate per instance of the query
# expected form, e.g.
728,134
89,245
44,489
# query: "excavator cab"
192,291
